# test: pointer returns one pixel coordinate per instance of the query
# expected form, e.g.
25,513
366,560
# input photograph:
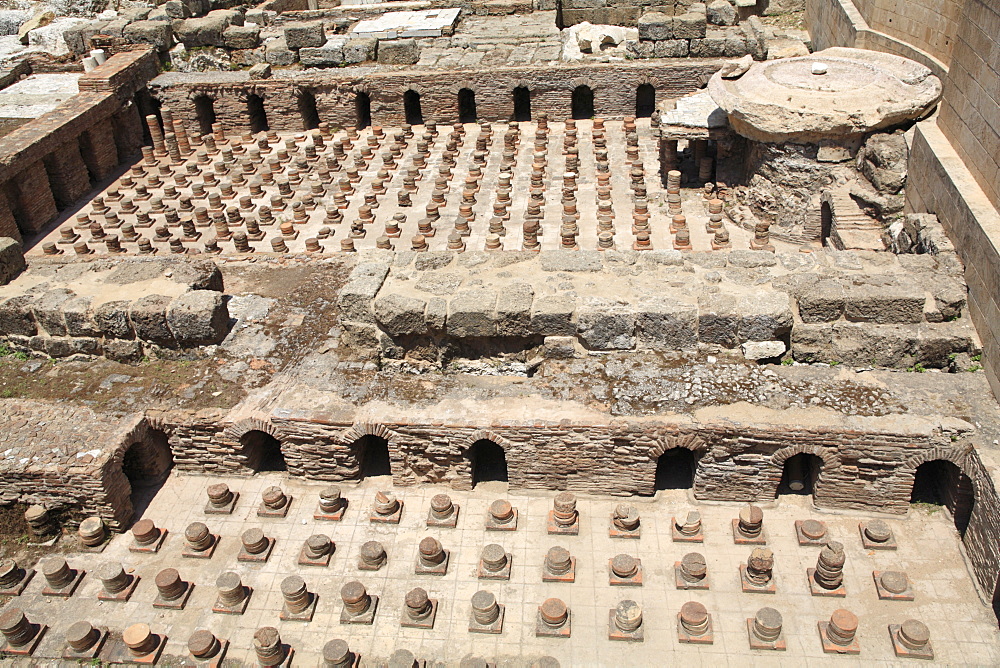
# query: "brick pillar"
128,128
35,202
68,175
97,145
8,225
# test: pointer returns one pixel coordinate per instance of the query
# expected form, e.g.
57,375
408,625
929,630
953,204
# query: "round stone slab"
854,92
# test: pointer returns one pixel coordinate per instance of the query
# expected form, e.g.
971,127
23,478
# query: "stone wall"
860,308
614,87
970,108
42,167
929,25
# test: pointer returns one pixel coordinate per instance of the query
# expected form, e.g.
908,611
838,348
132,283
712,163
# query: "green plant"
834,362
917,368
5,350
21,356
974,368
976,358
788,361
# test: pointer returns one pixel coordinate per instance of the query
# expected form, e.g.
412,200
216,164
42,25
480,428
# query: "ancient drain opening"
941,483
262,452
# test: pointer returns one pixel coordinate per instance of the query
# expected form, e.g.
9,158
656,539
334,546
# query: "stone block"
176,9
605,325
260,71
765,316
638,50
721,13
112,319
671,48
299,35
206,30
710,47
277,53
559,347
399,315
398,51
65,346
356,297
586,261
17,316
330,54
121,350
553,315
785,48
822,302
80,318
148,316
436,315
49,311
78,37
689,26
514,310
759,350
156,33
884,304
655,26
198,318
718,320
614,16
241,37
473,313
11,260
360,50
663,324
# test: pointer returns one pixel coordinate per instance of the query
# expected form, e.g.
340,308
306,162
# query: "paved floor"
694,204
963,630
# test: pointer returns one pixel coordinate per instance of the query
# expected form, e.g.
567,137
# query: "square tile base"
707,638
872,545
568,576
904,651
816,590
425,623
321,562
617,532
70,654
223,609
25,650
830,647
886,595
215,661
806,541
264,511
446,523
502,574
18,587
256,558
753,588
67,591
117,652
615,633
177,603
495,627
387,519
362,566
543,630
331,517
678,537
92,549
121,596
557,530
493,525
304,616
756,643
202,554
366,617
634,581
223,510
681,583
151,548
740,539
438,569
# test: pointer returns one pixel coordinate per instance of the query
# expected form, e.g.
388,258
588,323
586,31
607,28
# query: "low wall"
614,87
48,164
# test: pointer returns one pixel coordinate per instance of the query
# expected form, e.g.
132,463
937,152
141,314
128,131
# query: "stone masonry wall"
929,25
551,89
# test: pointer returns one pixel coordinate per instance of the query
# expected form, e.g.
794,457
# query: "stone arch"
581,81
131,485
486,458
252,439
464,83
696,444
484,435
307,102
363,439
958,457
831,462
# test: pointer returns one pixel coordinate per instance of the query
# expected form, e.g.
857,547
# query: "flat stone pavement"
963,631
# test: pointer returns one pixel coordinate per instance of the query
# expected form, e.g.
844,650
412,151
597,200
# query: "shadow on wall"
146,465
